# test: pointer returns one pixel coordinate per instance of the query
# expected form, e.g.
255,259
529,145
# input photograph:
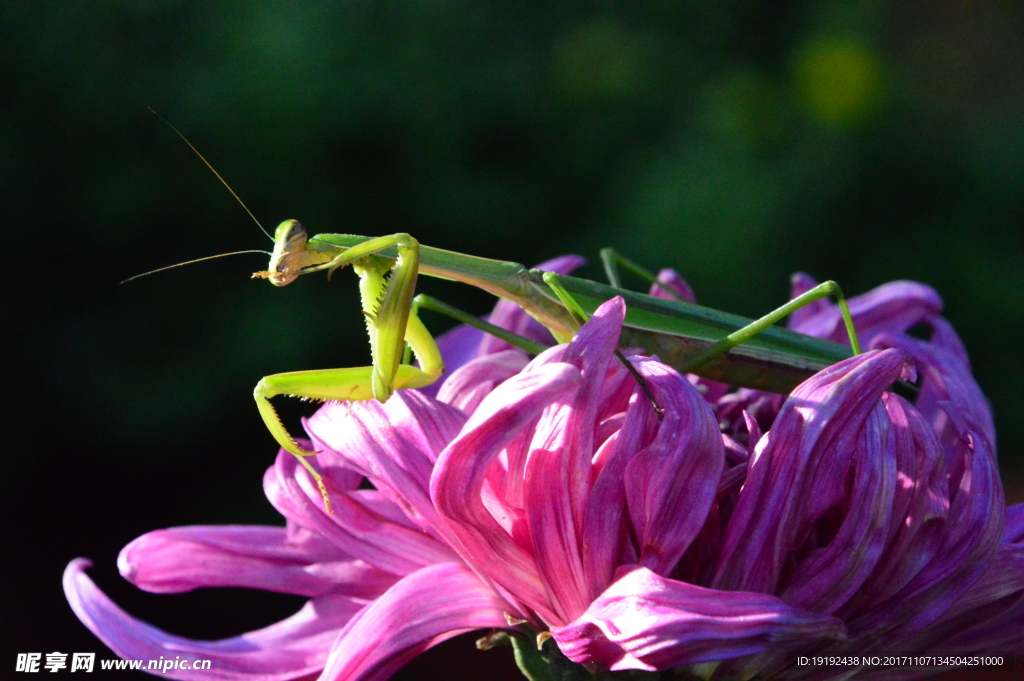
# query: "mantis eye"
287,233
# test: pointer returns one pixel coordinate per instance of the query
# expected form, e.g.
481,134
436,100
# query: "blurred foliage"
738,142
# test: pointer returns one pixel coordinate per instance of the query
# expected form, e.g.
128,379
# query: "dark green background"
735,141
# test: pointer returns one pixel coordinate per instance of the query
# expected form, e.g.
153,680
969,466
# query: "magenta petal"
470,383
919,509
1013,531
393,444
423,609
645,621
185,558
973,526
829,575
671,484
291,649
671,278
950,398
604,542
462,470
558,470
358,529
989,616
967,542
458,346
465,343
800,284
510,316
800,467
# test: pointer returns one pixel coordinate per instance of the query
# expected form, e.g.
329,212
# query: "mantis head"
290,256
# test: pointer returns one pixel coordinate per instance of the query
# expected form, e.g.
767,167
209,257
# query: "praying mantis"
692,338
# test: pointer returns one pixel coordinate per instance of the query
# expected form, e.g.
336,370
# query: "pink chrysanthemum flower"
857,522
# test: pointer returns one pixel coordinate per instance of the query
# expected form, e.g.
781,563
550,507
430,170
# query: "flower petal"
989,617
953,404
291,649
671,484
423,609
510,316
462,469
829,575
919,508
355,527
646,621
465,343
799,469
558,470
185,558
669,277
800,284
394,445
469,384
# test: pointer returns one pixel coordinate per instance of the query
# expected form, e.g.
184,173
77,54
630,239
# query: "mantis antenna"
190,262
222,181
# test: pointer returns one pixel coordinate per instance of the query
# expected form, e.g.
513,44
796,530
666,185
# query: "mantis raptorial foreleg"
386,288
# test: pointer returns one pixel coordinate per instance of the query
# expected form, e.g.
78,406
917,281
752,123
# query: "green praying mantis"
691,338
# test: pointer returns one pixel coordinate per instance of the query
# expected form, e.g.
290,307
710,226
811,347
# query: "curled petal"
185,558
458,346
970,533
799,469
420,611
800,284
950,398
362,531
967,541
393,444
671,483
558,470
462,470
469,384
645,621
829,575
988,617
510,316
660,478
291,649
919,509
1013,532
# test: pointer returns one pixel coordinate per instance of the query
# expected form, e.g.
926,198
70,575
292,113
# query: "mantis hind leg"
823,290
611,260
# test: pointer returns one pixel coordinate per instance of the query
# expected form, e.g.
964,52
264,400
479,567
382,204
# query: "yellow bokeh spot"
839,79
